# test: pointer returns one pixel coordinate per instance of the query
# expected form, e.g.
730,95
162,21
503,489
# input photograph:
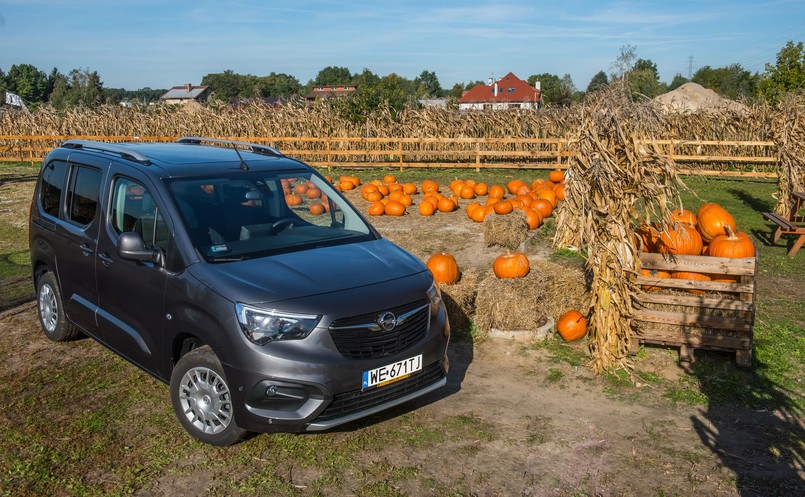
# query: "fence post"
401,155
477,157
327,142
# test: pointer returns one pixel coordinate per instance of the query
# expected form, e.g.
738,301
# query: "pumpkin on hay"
572,325
377,208
444,268
394,208
426,209
511,265
557,175
733,245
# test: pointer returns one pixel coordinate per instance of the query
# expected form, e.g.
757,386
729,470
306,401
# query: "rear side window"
83,194
52,185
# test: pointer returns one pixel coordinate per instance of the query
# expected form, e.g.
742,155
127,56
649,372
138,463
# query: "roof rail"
124,152
254,147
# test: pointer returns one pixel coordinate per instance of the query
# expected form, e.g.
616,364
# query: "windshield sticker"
217,249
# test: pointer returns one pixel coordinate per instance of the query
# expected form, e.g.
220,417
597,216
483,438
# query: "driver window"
133,209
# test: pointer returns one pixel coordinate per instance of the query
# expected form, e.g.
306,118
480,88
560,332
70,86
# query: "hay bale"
507,230
459,299
524,303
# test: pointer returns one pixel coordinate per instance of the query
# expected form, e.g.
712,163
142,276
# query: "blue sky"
160,44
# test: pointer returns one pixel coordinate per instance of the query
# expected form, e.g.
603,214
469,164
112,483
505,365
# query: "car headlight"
435,298
262,326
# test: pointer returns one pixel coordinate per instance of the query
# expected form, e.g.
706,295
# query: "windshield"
242,215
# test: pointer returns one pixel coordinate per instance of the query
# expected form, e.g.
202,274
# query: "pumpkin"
316,208
395,195
409,188
684,216
572,325
560,191
557,175
467,192
383,189
734,245
367,189
347,185
429,186
471,207
549,195
511,265
513,185
374,196
533,218
502,207
686,275
389,179
446,205
704,207
355,180
542,206
712,221
648,236
496,191
426,209
377,208
444,268
479,214
293,199
653,273
394,208
683,241
396,187
300,188
481,189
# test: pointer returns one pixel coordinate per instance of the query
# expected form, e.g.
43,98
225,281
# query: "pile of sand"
692,97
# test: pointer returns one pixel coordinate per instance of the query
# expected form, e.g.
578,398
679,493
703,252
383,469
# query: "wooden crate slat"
696,301
692,319
716,342
711,286
700,264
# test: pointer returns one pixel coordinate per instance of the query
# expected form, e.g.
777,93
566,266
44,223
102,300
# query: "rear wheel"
50,307
202,400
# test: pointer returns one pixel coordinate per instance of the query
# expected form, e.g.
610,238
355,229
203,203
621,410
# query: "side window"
133,209
83,194
52,184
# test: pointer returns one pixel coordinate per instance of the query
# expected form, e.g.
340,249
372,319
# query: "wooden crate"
720,316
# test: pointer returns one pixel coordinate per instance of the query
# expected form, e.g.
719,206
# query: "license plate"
385,375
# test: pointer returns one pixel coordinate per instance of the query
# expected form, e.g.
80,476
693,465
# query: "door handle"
86,249
105,259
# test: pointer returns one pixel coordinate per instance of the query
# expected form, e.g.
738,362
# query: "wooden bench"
787,226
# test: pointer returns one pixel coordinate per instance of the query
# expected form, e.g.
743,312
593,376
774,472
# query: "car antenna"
243,165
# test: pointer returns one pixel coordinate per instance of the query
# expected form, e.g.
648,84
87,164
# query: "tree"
226,85
28,82
333,76
624,62
732,81
555,90
678,81
644,79
787,75
599,82
427,85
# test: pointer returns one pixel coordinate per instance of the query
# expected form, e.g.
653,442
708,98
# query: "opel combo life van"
264,310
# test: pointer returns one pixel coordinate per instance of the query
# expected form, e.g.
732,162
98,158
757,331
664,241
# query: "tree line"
83,87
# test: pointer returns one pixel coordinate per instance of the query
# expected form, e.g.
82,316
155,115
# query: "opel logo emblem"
387,321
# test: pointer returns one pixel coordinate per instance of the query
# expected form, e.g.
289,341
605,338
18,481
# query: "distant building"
433,102
187,93
319,92
509,92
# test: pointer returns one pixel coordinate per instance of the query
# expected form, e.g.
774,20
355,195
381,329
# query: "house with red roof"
509,92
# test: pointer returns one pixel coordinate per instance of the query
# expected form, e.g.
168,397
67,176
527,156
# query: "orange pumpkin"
653,273
511,265
377,208
347,185
496,191
316,208
444,268
542,206
471,207
374,196
686,275
394,208
389,179
429,186
446,205
533,218
557,175
683,241
481,189
712,222
293,199
513,185
467,192
409,188
572,325
560,191
502,207
426,209
734,245
479,214
684,216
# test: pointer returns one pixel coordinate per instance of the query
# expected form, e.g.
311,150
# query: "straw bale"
459,299
524,303
507,230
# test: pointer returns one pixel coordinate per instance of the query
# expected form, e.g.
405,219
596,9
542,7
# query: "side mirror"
130,245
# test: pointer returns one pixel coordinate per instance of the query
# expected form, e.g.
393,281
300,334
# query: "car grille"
360,337
347,403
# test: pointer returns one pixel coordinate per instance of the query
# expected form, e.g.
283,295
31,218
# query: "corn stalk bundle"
606,183
789,133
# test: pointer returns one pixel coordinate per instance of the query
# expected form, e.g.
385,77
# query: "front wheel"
202,400
50,307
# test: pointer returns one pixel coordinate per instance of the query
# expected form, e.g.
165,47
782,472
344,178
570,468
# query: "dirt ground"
515,418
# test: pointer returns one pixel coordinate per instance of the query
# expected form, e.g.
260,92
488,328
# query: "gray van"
239,276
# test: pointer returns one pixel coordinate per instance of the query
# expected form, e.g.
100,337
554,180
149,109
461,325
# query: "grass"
86,423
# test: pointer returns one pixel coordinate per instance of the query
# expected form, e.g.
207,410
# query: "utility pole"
690,67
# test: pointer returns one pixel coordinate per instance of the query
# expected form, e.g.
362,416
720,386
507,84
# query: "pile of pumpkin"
572,325
711,231
537,200
297,191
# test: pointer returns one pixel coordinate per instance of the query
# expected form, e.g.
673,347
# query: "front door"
131,294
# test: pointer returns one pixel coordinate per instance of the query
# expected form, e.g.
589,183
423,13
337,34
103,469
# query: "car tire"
50,308
202,400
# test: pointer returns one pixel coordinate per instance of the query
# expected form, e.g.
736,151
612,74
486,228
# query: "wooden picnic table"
789,225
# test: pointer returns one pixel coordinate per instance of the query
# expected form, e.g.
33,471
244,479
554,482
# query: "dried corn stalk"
789,131
609,179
